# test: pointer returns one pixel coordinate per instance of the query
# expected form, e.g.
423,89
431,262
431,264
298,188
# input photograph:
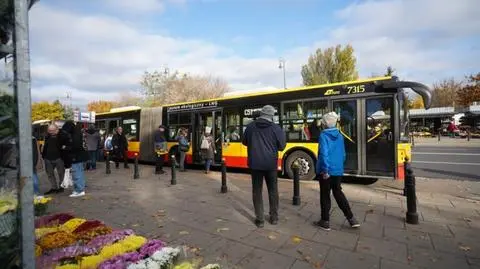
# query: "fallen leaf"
183,232
219,220
467,219
272,237
464,248
160,225
222,229
135,225
317,265
86,198
296,239
307,258
370,211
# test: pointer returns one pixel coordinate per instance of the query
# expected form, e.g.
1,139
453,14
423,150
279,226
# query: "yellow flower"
91,262
133,242
39,232
42,200
68,266
38,251
184,265
112,250
72,224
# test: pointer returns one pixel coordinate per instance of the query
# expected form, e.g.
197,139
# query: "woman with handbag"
183,147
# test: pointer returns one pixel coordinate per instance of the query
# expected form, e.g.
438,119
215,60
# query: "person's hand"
325,176
215,152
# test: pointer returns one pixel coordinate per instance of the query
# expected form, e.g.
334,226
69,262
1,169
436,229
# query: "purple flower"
121,261
151,246
102,240
71,252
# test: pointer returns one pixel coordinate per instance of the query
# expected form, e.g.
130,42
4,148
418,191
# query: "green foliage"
390,71
7,115
46,110
334,64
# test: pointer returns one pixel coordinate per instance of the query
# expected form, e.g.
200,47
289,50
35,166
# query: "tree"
390,71
445,92
100,106
7,115
417,102
67,112
470,92
335,64
46,110
127,99
160,88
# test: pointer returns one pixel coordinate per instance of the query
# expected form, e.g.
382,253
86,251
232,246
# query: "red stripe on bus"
401,172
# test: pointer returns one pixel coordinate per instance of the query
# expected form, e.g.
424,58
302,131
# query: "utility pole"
281,65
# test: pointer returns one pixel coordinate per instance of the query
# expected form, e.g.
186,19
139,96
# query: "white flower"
211,266
138,265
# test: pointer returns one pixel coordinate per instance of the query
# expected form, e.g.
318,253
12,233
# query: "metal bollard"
439,135
136,174
157,164
468,135
174,171
107,164
412,215
224,188
413,141
296,183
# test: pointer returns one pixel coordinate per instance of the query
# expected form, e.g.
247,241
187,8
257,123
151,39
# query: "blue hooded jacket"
331,152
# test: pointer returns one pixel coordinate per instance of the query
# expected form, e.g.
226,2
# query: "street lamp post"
281,65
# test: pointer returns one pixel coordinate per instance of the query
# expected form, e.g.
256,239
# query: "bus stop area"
218,227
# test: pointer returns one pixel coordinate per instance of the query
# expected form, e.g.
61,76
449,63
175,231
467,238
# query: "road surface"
461,163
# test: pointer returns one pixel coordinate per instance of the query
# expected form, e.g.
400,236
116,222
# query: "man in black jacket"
264,140
52,156
120,147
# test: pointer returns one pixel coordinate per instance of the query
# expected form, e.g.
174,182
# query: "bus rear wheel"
307,165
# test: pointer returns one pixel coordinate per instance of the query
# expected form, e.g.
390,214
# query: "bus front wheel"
307,165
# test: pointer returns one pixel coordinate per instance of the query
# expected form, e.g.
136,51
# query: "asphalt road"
460,163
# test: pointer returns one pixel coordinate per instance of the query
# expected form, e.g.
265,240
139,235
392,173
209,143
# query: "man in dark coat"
160,146
120,148
264,140
52,155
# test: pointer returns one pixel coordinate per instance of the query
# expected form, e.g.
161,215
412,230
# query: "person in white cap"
331,156
264,139
207,148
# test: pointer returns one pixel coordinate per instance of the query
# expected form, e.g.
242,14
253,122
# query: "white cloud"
140,6
100,56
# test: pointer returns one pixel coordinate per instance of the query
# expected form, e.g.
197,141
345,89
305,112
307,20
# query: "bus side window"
233,126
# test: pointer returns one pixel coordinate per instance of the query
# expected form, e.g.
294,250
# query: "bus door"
212,119
348,126
380,143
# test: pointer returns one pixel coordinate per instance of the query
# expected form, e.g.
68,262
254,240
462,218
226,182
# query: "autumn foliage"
101,106
46,110
470,92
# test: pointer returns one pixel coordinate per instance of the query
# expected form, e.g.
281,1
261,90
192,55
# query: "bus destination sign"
194,106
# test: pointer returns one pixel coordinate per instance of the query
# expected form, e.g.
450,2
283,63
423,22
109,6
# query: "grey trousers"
257,190
182,160
50,170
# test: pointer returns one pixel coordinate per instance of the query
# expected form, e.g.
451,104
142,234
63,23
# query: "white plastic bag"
67,179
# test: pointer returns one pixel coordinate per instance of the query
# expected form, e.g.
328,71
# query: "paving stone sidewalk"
218,227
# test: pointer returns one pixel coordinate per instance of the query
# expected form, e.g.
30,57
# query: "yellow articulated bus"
373,120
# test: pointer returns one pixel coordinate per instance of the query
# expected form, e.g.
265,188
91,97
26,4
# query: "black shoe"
59,190
353,223
273,220
259,223
126,167
117,166
323,224
51,191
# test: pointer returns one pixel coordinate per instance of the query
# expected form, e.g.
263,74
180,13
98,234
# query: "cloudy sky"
99,49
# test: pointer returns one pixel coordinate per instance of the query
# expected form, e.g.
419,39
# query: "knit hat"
267,113
208,130
330,119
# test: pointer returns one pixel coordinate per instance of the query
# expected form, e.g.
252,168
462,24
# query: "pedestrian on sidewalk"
264,139
207,148
329,168
92,137
52,156
120,148
183,146
77,155
160,146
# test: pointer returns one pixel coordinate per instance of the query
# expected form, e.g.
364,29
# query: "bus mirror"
419,88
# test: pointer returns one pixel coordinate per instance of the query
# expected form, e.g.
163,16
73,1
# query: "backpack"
205,144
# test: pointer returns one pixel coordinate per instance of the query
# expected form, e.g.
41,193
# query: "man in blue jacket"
264,140
331,156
